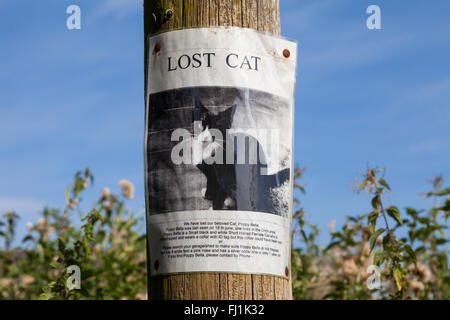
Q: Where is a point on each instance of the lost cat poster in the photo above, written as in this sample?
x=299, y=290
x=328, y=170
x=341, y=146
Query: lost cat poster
x=218, y=151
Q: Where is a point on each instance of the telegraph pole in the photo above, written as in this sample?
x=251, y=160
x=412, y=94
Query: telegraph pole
x=262, y=15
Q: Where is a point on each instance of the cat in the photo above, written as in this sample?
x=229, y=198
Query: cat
x=235, y=186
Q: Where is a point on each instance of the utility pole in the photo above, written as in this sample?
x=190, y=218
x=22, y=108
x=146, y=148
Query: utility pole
x=262, y=15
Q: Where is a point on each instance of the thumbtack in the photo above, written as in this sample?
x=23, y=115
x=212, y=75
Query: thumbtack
x=286, y=53
x=157, y=48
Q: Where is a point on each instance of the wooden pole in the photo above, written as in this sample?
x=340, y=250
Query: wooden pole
x=263, y=15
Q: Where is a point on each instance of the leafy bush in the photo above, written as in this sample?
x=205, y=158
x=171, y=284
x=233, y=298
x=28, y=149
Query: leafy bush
x=110, y=248
x=410, y=267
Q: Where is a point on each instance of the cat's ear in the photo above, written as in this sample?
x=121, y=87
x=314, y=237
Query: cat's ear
x=228, y=114
x=233, y=110
x=199, y=110
x=203, y=109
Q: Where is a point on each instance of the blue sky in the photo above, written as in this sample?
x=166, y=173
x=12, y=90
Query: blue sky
x=74, y=99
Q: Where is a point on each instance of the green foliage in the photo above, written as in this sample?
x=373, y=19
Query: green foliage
x=413, y=267
x=109, y=247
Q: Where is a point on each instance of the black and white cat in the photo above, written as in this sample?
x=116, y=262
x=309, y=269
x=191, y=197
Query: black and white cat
x=236, y=185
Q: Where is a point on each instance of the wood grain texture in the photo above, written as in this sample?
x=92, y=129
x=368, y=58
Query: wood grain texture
x=263, y=15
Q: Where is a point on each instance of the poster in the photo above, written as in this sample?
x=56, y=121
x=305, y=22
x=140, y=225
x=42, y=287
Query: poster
x=218, y=151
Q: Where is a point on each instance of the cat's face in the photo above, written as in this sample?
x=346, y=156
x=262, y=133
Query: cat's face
x=217, y=120
x=210, y=129
x=205, y=145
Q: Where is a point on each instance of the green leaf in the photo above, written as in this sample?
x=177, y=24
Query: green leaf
x=337, y=235
x=46, y=296
x=372, y=218
x=47, y=292
x=411, y=253
x=304, y=236
x=55, y=264
x=373, y=238
x=362, y=185
x=398, y=276
x=331, y=245
x=376, y=202
x=394, y=213
x=412, y=212
x=379, y=257
x=66, y=195
x=61, y=244
x=384, y=183
x=446, y=206
x=300, y=187
x=443, y=192
x=27, y=238
x=41, y=252
x=424, y=220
